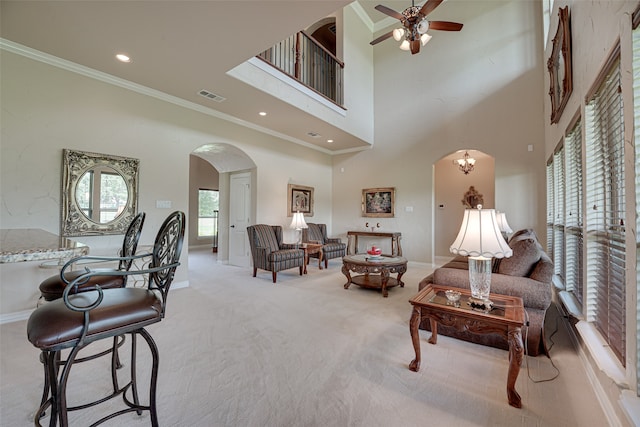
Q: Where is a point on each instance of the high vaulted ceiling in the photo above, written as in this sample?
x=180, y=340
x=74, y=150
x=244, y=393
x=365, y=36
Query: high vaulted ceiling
x=180, y=47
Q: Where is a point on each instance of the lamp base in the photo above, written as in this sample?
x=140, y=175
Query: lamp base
x=480, y=276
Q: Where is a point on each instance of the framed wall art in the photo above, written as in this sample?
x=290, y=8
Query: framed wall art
x=379, y=202
x=559, y=66
x=299, y=199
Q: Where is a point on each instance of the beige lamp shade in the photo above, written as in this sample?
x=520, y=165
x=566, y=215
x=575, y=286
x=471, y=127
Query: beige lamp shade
x=502, y=222
x=298, y=221
x=480, y=235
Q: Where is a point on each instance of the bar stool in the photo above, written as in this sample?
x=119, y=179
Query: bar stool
x=81, y=318
x=52, y=288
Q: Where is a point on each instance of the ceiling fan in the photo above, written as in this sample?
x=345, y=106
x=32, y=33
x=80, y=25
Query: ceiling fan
x=415, y=23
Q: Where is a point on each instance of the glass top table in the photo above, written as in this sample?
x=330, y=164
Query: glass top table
x=506, y=318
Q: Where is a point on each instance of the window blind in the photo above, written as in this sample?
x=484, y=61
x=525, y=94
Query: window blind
x=558, y=212
x=636, y=109
x=550, y=204
x=605, y=219
x=573, y=212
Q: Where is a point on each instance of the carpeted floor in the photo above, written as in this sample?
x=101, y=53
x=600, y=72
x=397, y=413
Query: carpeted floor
x=240, y=351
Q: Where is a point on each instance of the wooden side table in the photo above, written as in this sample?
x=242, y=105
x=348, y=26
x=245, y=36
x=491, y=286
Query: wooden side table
x=395, y=236
x=311, y=248
x=506, y=318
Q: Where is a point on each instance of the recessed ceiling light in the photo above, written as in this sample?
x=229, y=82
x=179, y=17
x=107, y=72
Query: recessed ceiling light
x=123, y=58
x=262, y=113
x=329, y=141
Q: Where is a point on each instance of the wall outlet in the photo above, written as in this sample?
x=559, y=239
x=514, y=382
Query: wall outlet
x=408, y=209
x=163, y=204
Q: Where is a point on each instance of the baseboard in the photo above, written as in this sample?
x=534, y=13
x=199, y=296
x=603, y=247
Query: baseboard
x=180, y=285
x=15, y=317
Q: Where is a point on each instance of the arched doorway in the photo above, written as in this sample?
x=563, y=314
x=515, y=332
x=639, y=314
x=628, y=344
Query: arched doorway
x=233, y=166
x=450, y=185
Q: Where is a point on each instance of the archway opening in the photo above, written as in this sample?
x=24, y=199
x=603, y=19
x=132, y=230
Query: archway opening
x=452, y=188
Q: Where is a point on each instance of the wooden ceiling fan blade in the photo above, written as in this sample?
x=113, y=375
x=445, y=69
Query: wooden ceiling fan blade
x=445, y=26
x=415, y=46
x=390, y=12
x=428, y=7
x=381, y=38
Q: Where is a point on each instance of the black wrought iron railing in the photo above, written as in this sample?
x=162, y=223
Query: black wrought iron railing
x=303, y=58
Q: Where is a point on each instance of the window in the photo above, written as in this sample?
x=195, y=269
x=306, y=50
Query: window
x=207, y=213
x=558, y=212
x=605, y=216
x=105, y=188
x=636, y=108
x=550, y=203
x=573, y=212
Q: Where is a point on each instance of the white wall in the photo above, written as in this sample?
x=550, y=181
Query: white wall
x=46, y=109
x=596, y=28
x=478, y=88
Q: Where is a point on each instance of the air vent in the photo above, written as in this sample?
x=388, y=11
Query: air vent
x=313, y=134
x=211, y=95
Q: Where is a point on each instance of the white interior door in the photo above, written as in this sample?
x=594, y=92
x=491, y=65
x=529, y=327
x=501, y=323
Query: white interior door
x=239, y=217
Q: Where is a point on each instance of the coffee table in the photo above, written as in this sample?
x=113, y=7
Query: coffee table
x=311, y=248
x=506, y=318
x=376, y=271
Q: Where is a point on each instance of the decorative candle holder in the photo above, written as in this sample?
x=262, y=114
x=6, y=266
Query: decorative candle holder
x=372, y=227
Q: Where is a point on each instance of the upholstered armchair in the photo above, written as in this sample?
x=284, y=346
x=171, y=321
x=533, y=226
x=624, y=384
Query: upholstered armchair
x=270, y=253
x=331, y=247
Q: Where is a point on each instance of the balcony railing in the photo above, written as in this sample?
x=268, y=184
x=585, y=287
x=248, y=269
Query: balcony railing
x=303, y=58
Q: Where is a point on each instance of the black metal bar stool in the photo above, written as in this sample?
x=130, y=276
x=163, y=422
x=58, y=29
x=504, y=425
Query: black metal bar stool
x=53, y=287
x=81, y=318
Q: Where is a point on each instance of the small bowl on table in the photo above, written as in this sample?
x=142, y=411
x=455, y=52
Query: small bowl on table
x=453, y=297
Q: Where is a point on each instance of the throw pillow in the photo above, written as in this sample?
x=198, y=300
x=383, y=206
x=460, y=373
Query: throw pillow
x=526, y=233
x=526, y=254
x=543, y=272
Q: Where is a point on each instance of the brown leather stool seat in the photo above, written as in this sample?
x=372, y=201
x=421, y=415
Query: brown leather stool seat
x=121, y=310
x=52, y=288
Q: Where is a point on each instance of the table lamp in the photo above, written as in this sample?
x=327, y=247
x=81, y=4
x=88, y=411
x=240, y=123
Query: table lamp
x=503, y=224
x=480, y=239
x=298, y=223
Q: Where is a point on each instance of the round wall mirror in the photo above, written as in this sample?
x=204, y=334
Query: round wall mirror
x=99, y=193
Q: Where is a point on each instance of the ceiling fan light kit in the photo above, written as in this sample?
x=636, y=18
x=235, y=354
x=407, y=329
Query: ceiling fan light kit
x=398, y=34
x=415, y=25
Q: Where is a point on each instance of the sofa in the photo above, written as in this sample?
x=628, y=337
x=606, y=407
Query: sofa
x=526, y=274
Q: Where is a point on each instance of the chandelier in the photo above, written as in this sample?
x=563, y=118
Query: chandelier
x=466, y=163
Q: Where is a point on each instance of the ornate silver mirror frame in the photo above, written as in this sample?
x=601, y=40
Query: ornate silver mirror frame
x=74, y=220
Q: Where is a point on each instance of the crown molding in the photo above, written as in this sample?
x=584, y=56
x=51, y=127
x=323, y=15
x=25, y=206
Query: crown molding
x=36, y=55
